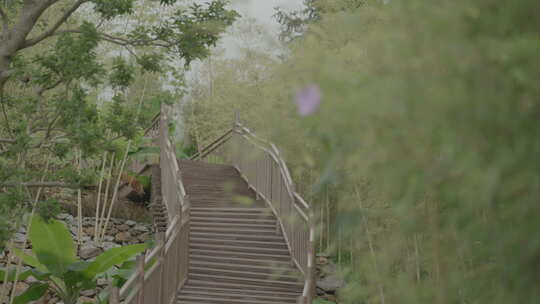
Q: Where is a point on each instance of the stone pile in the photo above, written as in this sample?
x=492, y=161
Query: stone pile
x=119, y=233
x=329, y=281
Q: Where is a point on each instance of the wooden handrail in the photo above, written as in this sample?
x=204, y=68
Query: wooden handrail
x=160, y=283
x=212, y=146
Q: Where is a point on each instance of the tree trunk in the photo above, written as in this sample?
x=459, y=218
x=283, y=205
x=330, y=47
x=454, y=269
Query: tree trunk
x=16, y=36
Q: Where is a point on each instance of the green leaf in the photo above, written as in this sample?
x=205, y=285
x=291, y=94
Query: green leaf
x=113, y=257
x=52, y=244
x=11, y=275
x=33, y=293
x=28, y=259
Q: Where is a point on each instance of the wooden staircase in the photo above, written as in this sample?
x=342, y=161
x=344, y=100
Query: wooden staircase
x=237, y=253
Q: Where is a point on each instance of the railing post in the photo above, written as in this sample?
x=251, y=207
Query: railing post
x=160, y=237
x=140, y=272
x=114, y=297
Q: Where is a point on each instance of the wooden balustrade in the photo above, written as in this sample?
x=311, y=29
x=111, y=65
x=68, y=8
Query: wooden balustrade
x=161, y=272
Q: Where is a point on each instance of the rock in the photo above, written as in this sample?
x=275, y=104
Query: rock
x=329, y=269
x=122, y=227
x=108, y=245
x=321, y=260
x=83, y=300
x=63, y=216
x=141, y=228
x=73, y=230
x=123, y=237
x=331, y=283
x=144, y=237
x=18, y=237
x=89, y=251
x=131, y=223
x=89, y=292
x=108, y=238
x=89, y=230
x=102, y=282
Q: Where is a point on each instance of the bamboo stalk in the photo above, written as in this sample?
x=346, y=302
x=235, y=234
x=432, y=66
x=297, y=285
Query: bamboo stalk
x=79, y=202
x=124, y=159
x=322, y=228
x=105, y=198
x=339, y=247
x=352, y=251
x=99, y=192
x=417, y=258
x=371, y=247
x=327, y=220
x=115, y=193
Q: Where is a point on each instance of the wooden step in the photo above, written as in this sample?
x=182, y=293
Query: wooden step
x=224, y=298
x=234, y=215
x=220, y=230
x=236, y=254
x=220, y=241
x=247, y=281
x=242, y=226
x=243, y=274
x=209, y=284
x=232, y=248
x=276, y=270
x=227, y=295
x=197, y=286
x=197, y=257
x=240, y=237
x=241, y=220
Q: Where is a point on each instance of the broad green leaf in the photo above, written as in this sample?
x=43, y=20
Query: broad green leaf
x=113, y=257
x=28, y=259
x=52, y=244
x=11, y=275
x=33, y=293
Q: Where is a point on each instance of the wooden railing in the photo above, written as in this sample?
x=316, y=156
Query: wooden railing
x=162, y=272
x=261, y=165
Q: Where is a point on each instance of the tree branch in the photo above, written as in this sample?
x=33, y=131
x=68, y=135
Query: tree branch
x=56, y=26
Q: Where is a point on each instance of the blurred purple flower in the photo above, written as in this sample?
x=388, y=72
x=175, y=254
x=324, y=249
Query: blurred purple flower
x=308, y=100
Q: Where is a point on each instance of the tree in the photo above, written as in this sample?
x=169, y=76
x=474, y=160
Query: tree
x=54, y=67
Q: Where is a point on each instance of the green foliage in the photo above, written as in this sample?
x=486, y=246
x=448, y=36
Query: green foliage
x=426, y=138
x=73, y=58
x=109, y=9
x=55, y=262
x=151, y=62
x=34, y=292
x=51, y=100
x=122, y=73
x=192, y=32
x=48, y=209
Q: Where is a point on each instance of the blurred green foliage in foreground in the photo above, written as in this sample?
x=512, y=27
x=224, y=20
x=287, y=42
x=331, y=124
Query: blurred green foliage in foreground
x=426, y=142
